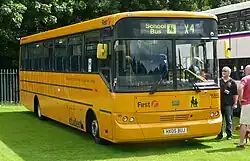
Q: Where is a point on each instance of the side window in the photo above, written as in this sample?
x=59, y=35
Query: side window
x=22, y=56
x=39, y=54
x=234, y=26
x=60, y=53
x=90, y=59
x=75, y=52
x=222, y=22
x=242, y=26
x=49, y=62
x=247, y=25
x=31, y=57
x=35, y=56
x=27, y=60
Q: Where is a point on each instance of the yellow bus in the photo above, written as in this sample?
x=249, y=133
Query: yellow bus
x=127, y=77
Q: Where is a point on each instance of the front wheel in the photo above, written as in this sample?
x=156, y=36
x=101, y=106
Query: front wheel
x=95, y=132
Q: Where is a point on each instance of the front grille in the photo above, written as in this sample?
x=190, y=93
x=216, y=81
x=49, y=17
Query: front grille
x=169, y=118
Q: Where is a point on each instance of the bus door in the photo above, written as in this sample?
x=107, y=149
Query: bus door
x=104, y=65
x=104, y=69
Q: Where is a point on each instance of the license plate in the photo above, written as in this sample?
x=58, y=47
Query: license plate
x=175, y=131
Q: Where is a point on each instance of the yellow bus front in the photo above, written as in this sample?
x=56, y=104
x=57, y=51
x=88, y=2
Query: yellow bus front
x=166, y=116
x=165, y=79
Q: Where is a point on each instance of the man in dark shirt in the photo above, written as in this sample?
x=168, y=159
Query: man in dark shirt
x=229, y=100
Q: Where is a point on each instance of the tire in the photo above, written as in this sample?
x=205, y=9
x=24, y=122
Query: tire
x=94, y=130
x=38, y=111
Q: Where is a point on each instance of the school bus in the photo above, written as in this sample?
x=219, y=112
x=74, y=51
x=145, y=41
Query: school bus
x=127, y=77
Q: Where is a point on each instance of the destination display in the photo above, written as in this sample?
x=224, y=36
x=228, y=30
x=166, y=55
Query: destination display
x=166, y=27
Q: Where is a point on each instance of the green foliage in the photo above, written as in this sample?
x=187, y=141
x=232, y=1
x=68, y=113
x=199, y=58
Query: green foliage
x=187, y=5
x=19, y=18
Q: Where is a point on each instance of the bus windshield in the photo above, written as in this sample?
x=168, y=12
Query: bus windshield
x=141, y=64
x=195, y=63
x=165, y=53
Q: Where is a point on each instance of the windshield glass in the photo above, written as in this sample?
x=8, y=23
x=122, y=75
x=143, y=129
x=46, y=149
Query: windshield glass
x=195, y=63
x=141, y=63
x=146, y=65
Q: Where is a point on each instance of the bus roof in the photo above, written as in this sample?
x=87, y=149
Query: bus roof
x=106, y=21
x=229, y=8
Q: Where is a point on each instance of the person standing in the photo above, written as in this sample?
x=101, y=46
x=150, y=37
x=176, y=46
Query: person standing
x=244, y=100
x=229, y=98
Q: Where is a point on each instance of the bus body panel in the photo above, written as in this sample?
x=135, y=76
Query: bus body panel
x=27, y=99
x=166, y=101
x=66, y=97
x=109, y=107
x=152, y=118
x=154, y=132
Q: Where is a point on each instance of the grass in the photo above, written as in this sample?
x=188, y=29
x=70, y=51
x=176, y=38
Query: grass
x=25, y=138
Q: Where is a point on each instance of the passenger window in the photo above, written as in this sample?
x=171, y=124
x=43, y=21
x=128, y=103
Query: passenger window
x=75, y=52
x=90, y=59
x=247, y=25
x=49, y=64
x=242, y=26
x=233, y=26
x=39, y=55
x=60, y=53
x=32, y=56
x=23, y=57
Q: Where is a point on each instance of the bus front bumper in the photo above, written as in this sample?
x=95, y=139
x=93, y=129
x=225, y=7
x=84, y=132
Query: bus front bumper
x=155, y=131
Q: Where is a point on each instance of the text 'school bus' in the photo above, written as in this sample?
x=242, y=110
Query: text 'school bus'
x=127, y=77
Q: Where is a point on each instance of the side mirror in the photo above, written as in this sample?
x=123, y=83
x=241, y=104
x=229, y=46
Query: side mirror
x=227, y=49
x=102, y=51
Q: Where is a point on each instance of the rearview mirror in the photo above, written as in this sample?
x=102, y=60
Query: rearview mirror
x=102, y=51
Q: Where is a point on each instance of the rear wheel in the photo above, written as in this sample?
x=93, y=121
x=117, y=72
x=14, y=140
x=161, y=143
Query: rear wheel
x=38, y=110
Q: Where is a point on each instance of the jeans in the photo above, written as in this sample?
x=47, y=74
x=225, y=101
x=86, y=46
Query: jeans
x=227, y=114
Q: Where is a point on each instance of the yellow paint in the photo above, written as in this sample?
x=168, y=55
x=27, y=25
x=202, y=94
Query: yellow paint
x=227, y=52
x=169, y=110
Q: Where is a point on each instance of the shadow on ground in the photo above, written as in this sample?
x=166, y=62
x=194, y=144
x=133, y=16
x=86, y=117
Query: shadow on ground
x=33, y=139
x=224, y=150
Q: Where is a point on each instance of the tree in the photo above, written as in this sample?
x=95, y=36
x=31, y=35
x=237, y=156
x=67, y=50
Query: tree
x=24, y=17
x=10, y=22
x=183, y=5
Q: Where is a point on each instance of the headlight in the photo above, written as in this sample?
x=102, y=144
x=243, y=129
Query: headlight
x=125, y=118
x=131, y=119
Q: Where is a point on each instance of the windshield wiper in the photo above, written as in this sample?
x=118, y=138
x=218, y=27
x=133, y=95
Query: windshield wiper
x=154, y=88
x=196, y=87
